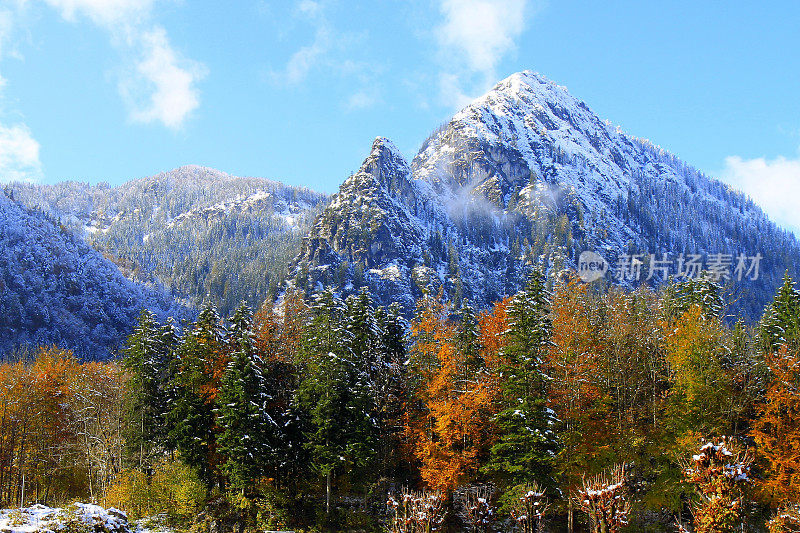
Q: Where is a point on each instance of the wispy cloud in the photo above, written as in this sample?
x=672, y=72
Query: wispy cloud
x=330, y=53
x=19, y=154
x=106, y=13
x=307, y=57
x=773, y=184
x=19, y=150
x=160, y=85
x=363, y=99
x=162, y=88
x=474, y=36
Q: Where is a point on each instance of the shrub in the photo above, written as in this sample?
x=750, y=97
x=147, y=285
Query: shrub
x=174, y=489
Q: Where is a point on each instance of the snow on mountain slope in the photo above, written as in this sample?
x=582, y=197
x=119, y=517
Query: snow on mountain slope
x=525, y=174
x=209, y=237
x=55, y=289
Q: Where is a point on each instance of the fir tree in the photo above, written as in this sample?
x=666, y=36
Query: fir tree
x=467, y=341
x=389, y=385
x=780, y=324
x=241, y=413
x=147, y=356
x=527, y=445
x=335, y=396
x=702, y=291
x=200, y=361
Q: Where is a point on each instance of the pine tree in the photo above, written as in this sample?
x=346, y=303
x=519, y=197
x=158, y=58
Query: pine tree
x=527, y=444
x=241, y=410
x=147, y=357
x=362, y=329
x=335, y=396
x=780, y=324
x=702, y=291
x=200, y=362
x=467, y=338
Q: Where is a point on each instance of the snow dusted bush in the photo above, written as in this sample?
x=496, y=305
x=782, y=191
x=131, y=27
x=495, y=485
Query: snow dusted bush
x=76, y=518
x=787, y=520
x=603, y=498
x=416, y=512
x=719, y=473
x=529, y=510
x=479, y=511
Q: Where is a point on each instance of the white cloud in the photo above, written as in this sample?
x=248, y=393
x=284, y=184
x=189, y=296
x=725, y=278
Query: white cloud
x=481, y=31
x=773, y=184
x=6, y=24
x=106, y=13
x=19, y=154
x=170, y=94
x=362, y=99
x=302, y=61
x=473, y=38
x=451, y=92
x=329, y=52
x=160, y=86
x=306, y=58
x=310, y=8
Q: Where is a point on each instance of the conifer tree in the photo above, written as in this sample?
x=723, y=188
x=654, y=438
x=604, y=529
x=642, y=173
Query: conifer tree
x=147, y=356
x=527, y=445
x=392, y=390
x=780, y=324
x=702, y=291
x=335, y=396
x=467, y=338
x=241, y=409
x=200, y=363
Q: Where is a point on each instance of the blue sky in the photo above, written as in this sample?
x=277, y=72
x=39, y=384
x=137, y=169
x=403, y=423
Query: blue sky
x=110, y=90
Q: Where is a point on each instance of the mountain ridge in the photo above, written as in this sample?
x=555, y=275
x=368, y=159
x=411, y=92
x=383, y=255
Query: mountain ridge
x=55, y=289
x=528, y=174
x=209, y=237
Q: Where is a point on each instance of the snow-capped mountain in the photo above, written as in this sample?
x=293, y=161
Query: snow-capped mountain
x=207, y=236
x=55, y=289
x=528, y=173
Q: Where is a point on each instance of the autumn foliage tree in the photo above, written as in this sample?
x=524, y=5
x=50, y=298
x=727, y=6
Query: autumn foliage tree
x=573, y=363
x=60, y=427
x=777, y=428
x=719, y=472
x=447, y=428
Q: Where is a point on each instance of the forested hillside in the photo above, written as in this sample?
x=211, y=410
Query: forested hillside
x=525, y=174
x=208, y=237
x=56, y=289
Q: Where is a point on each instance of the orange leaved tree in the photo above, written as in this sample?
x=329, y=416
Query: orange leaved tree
x=777, y=428
x=448, y=427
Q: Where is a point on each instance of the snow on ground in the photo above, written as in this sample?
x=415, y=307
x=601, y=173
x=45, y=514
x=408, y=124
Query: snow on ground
x=40, y=518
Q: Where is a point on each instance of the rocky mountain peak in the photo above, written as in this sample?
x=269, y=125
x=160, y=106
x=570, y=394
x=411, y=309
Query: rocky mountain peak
x=525, y=174
x=385, y=172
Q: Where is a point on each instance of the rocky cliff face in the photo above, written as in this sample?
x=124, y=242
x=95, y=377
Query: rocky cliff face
x=526, y=174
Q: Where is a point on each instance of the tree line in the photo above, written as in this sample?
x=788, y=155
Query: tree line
x=564, y=407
